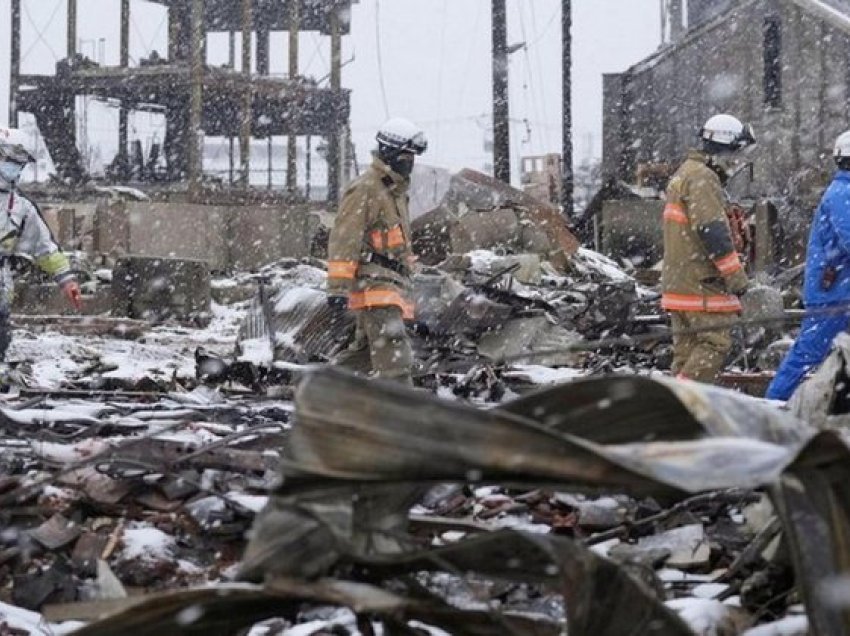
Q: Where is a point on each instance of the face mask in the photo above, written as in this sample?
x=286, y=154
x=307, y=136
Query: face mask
x=727, y=166
x=402, y=164
x=10, y=172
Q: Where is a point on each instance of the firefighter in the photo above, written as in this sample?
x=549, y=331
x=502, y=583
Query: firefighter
x=23, y=232
x=703, y=277
x=827, y=280
x=370, y=257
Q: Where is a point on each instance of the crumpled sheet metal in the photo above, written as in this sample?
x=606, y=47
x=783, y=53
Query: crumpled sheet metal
x=352, y=429
x=371, y=436
x=305, y=329
x=813, y=501
x=822, y=395
x=636, y=409
x=355, y=438
x=221, y=610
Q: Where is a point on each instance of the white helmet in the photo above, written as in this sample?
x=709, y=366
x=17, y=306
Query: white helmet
x=727, y=130
x=402, y=135
x=14, y=146
x=842, y=146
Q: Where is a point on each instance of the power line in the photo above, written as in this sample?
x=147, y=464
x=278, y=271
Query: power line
x=380, y=59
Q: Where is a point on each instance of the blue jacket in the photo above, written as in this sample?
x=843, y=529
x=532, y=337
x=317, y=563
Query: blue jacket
x=829, y=245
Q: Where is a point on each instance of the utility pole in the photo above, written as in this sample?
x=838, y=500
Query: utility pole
x=501, y=112
x=567, y=184
x=15, y=64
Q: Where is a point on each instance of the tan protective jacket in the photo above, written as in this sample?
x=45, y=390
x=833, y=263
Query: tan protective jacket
x=369, y=252
x=702, y=271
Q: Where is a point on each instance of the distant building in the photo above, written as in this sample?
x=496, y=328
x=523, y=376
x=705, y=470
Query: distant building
x=541, y=177
x=782, y=65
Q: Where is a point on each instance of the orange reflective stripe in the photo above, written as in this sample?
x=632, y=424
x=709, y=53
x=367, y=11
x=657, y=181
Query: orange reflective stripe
x=688, y=302
x=675, y=213
x=377, y=239
x=729, y=264
x=395, y=237
x=342, y=269
x=380, y=298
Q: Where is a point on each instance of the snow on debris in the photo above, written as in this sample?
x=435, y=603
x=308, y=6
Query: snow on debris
x=16, y=618
x=588, y=261
x=147, y=544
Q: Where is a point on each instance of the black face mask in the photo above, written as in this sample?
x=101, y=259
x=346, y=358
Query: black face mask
x=399, y=162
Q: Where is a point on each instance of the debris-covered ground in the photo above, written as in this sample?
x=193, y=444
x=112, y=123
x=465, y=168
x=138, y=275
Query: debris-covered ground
x=518, y=489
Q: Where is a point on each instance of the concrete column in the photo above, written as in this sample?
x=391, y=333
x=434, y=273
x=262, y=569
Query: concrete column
x=173, y=34
x=72, y=28
x=196, y=99
x=15, y=63
x=336, y=86
x=246, y=115
x=263, y=47
x=292, y=145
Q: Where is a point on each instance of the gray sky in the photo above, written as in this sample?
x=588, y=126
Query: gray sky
x=435, y=57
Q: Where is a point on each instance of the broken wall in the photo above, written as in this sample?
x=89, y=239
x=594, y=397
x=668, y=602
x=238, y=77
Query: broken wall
x=227, y=237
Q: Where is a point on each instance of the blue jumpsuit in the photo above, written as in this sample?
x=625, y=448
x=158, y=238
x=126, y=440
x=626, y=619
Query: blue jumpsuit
x=829, y=247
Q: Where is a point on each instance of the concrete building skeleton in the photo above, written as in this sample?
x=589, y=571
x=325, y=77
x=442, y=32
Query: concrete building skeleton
x=236, y=104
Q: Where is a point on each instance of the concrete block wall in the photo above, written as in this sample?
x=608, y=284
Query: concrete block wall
x=228, y=238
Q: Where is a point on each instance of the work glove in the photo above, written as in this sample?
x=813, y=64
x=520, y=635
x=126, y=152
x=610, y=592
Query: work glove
x=71, y=290
x=738, y=284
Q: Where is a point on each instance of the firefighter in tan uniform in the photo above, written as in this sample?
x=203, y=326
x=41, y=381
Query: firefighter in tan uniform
x=703, y=278
x=370, y=257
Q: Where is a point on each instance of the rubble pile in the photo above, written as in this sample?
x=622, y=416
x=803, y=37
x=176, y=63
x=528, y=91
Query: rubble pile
x=215, y=476
x=650, y=501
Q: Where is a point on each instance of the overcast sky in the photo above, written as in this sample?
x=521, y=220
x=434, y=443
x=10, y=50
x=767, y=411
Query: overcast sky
x=435, y=57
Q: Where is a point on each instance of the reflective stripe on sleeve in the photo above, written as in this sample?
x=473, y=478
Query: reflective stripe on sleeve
x=675, y=213
x=342, y=269
x=729, y=264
